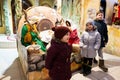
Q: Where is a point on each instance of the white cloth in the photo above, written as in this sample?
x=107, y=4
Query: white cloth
x=46, y=35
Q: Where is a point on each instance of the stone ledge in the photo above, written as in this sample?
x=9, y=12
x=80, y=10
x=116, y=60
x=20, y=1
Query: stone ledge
x=7, y=41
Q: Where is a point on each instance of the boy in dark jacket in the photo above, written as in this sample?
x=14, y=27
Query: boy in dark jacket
x=102, y=29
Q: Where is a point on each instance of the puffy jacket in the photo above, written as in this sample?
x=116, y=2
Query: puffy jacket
x=89, y=43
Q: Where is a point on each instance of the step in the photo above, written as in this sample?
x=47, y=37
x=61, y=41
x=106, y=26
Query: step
x=7, y=41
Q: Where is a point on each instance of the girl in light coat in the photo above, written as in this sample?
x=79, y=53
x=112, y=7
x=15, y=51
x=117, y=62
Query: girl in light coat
x=89, y=43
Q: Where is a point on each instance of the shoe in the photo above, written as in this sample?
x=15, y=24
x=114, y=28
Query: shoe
x=81, y=71
x=86, y=73
x=102, y=66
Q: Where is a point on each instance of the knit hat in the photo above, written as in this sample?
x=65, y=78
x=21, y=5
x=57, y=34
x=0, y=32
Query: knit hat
x=92, y=23
x=60, y=31
x=89, y=21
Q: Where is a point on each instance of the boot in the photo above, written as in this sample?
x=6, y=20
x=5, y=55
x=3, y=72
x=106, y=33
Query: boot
x=87, y=70
x=84, y=69
x=82, y=65
x=81, y=69
x=102, y=66
x=95, y=61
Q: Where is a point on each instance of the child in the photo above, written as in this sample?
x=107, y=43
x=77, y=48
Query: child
x=102, y=29
x=74, y=40
x=58, y=55
x=89, y=43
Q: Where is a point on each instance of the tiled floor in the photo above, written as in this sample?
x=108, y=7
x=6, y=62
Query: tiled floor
x=15, y=71
x=113, y=64
x=10, y=68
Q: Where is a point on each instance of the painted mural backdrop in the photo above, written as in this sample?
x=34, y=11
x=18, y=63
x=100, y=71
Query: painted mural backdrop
x=71, y=10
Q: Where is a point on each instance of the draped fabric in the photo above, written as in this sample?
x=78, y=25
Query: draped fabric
x=28, y=37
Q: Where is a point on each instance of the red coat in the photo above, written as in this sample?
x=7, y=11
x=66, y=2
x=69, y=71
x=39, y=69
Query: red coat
x=74, y=39
x=58, y=60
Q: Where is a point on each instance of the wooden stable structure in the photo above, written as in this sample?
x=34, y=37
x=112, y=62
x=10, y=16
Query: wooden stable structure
x=47, y=19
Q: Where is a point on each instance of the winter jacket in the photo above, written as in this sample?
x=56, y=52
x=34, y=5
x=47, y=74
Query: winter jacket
x=102, y=29
x=89, y=43
x=58, y=60
x=74, y=39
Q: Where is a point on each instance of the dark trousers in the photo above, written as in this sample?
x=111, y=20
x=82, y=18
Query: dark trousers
x=87, y=65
